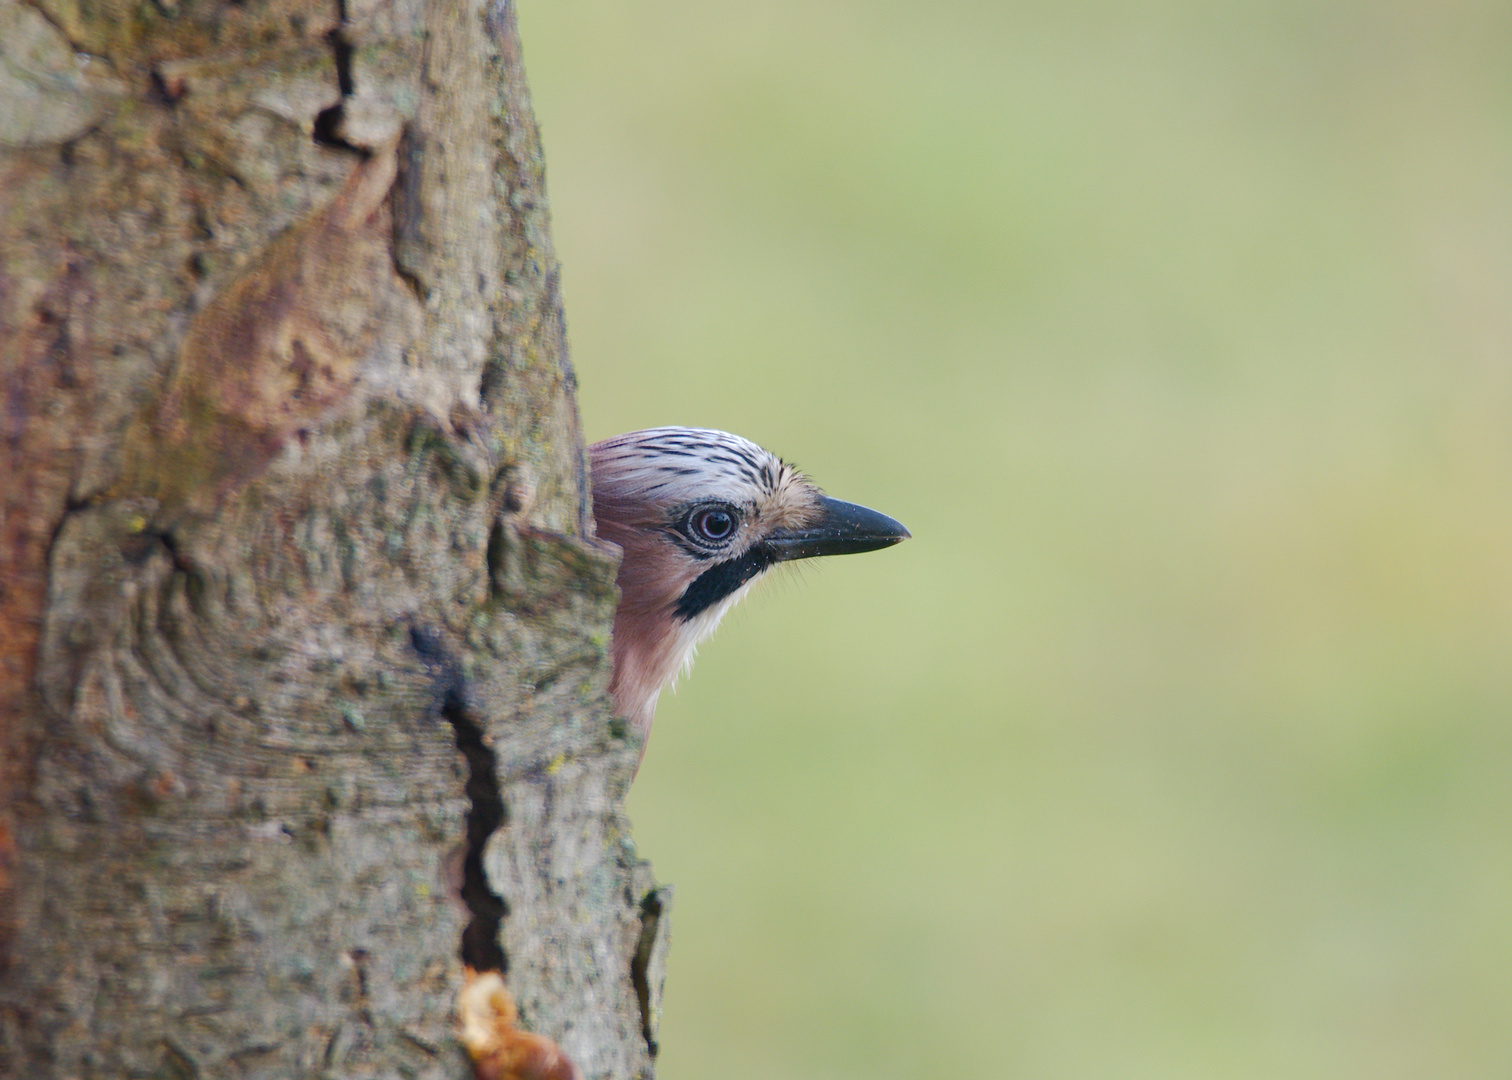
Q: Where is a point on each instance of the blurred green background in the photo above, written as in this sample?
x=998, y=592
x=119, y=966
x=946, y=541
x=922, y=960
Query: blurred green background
x=1176, y=743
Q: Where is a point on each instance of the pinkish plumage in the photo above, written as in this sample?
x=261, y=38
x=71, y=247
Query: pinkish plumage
x=701, y=515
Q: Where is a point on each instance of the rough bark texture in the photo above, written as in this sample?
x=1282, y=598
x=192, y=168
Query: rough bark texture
x=303, y=631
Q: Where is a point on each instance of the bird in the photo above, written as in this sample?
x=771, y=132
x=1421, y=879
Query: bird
x=700, y=516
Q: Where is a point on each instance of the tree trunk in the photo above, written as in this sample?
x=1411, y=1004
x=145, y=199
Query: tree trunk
x=303, y=631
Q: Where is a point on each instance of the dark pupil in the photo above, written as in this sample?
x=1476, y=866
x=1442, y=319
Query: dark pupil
x=715, y=524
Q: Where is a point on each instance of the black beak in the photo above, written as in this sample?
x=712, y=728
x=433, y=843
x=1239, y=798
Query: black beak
x=842, y=529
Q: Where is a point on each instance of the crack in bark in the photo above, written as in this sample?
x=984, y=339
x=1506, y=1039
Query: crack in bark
x=480, y=947
x=652, y=908
x=327, y=125
x=408, y=208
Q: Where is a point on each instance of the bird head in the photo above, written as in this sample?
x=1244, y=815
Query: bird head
x=701, y=516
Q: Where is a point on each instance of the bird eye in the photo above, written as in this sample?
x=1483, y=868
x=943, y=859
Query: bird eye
x=716, y=525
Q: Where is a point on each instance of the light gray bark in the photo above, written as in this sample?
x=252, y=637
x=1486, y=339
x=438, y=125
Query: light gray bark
x=303, y=631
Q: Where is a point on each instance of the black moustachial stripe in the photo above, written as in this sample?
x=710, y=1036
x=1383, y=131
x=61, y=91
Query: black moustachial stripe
x=720, y=580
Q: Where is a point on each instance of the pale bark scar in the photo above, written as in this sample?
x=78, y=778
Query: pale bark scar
x=277, y=350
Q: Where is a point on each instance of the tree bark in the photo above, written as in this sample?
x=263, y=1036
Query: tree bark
x=303, y=628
